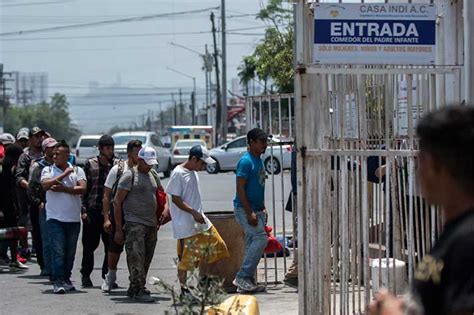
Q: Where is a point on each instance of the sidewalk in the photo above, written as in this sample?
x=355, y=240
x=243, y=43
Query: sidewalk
x=27, y=293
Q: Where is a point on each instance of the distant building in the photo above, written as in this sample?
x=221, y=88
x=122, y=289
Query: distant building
x=28, y=88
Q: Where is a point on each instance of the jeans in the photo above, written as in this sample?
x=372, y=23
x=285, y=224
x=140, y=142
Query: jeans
x=47, y=259
x=63, y=240
x=255, y=242
x=92, y=232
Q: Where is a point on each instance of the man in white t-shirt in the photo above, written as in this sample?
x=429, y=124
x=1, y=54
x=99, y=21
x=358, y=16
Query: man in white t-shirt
x=63, y=185
x=110, y=188
x=191, y=227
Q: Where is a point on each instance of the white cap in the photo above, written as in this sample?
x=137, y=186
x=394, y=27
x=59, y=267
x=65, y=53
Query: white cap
x=7, y=138
x=148, y=154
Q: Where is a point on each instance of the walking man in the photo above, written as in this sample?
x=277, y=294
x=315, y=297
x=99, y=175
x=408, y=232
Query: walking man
x=63, y=185
x=136, y=197
x=444, y=279
x=96, y=169
x=32, y=153
x=110, y=189
x=38, y=199
x=249, y=208
x=191, y=227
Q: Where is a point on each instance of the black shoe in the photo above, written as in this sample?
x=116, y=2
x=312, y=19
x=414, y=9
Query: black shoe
x=291, y=281
x=86, y=282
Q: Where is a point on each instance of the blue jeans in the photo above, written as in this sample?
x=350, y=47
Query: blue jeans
x=63, y=241
x=255, y=242
x=47, y=260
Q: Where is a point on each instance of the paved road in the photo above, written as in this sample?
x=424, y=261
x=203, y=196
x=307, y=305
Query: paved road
x=26, y=293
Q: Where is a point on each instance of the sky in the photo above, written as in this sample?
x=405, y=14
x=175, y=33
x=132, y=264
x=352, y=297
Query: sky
x=132, y=54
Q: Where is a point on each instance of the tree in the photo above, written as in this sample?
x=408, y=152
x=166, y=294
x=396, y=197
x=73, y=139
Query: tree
x=247, y=72
x=52, y=117
x=273, y=56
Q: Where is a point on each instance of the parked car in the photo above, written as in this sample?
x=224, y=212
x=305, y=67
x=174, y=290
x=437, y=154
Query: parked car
x=148, y=139
x=182, y=147
x=86, y=147
x=228, y=155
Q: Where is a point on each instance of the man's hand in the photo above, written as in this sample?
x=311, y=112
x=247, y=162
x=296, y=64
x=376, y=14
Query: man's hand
x=252, y=219
x=118, y=238
x=84, y=216
x=108, y=226
x=68, y=171
x=57, y=188
x=198, y=217
x=386, y=304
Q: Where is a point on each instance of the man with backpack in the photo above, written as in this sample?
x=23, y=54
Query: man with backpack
x=136, y=195
x=38, y=199
x=110, y=189
x=96, y=169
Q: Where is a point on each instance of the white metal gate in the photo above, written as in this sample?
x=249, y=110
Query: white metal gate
x=353, y=123
x=274, y=114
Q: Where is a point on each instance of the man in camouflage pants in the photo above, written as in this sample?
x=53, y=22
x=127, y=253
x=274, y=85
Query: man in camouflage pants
x=136, y=194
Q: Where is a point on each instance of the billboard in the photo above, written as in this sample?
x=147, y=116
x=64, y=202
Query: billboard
x=366, y=33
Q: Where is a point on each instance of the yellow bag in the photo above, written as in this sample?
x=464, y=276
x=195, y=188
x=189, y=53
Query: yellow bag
x=236, y=305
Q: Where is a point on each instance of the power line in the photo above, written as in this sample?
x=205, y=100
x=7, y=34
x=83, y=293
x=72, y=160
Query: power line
x=107, y=22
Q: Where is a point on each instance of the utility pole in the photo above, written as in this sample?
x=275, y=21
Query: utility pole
x=468, y=51
x=224, y=74
x=218, y=86
x=180, y=107
x=161, y=119
x=175, y=111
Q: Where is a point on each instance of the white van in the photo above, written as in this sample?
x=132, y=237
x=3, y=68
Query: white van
x=87, y=147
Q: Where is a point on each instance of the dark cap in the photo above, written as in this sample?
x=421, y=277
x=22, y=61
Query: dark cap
x=36, y=130
x=106, y=140
x=201, y=153
x=255, y=134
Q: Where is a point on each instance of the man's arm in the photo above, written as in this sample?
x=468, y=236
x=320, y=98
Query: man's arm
x=251, y=216
x=79, y=189
x=22, y=170
x=106, y=209
x=178, y=201
x=87, y=172
x=118, y=201
x=47, y=183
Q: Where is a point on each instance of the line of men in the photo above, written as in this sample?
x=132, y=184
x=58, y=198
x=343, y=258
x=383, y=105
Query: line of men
x=117, y=201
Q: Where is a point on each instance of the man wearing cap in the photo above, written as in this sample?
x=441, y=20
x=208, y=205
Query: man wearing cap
x=249, y=209
x=191, y=227
x=38, y=199
x=136, y=199
x=32, y=153
x=6, y=139
x=22, y=137
x=96, y=169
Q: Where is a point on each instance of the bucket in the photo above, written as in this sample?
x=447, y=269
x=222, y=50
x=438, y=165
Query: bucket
x=233, y=235
x=380, y=278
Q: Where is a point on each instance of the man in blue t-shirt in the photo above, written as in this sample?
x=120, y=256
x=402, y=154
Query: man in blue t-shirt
x=250, y=210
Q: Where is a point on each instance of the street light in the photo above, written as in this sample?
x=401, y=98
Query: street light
x=193, y=97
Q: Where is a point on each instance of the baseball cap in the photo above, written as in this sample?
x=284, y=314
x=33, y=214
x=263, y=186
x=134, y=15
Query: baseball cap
x=7, y=138
x=23, y=134
x=256, y=133
x=36, y=130
x=202, y=153
x=48, y=143
x=148, y=154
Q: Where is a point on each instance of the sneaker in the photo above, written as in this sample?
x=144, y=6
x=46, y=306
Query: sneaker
x=106, y=285
x=68, y=286
x=143, y=297
x=86, y=282
x=21, y=259
x=59, y=288
x=244, y=285
x=16, y=265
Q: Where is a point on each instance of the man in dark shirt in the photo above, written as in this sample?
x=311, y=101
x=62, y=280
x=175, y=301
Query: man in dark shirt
x=444, y=279
x=96, y=170
x=32, y=153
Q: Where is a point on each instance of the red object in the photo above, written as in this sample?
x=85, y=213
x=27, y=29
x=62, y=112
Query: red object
x=2, y=151
x=273, y=246
x=21, y=259
x=13, y=233
x=162, y=215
